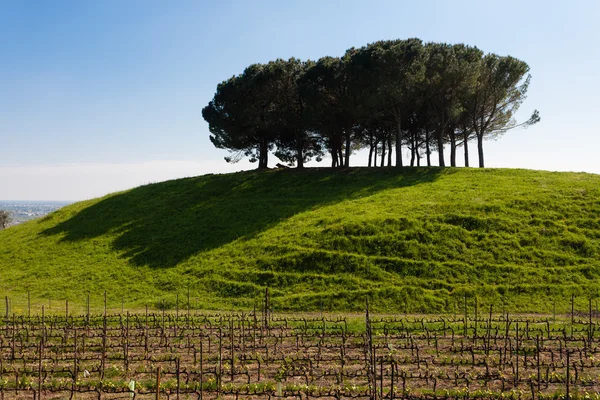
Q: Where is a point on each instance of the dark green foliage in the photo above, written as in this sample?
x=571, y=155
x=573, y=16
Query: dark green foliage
x=388, y=93
x=5, y=218
x=333, y=106
x=241, y=116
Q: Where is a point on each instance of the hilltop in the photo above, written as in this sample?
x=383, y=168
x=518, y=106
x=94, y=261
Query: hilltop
x=413, y=239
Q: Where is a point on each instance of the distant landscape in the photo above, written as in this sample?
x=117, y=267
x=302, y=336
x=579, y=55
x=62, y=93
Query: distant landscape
x=25, y=210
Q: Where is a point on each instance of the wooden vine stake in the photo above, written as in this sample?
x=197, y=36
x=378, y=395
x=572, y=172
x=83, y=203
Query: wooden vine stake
x=39, y=396
x=158, y=383
x=201, y=369
x=75, y=372
x=568, y=377
x=371, y=366
x=178, y=366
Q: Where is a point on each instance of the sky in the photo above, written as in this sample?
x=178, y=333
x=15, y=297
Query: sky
x=102, y=96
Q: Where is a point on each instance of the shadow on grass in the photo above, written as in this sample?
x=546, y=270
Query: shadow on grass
x=163, y=224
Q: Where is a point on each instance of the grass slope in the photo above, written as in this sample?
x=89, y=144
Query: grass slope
x=414, y=239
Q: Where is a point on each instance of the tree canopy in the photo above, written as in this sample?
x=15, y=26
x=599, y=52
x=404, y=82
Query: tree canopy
x=382, y=96
x=5, y=218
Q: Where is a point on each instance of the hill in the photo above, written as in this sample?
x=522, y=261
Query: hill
x=413, y=239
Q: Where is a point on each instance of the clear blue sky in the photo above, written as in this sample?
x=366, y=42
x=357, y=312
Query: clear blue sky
x=99, y=96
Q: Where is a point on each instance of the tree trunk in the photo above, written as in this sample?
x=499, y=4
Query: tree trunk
x=370, y=153
x=418, y=158
x=452, y=148
x=300, y=155
x=413, y=148
x=466, y=146
x=398, y=141
x=334, y=155
x=348, y=143
x=375, y=153
x=440, y=132
x=480, y=150
x=266, y=159
x=440, y=145
x=382, y=163
x=340, y=157
x=427, y=147
x=263, y=154
x=389, y=151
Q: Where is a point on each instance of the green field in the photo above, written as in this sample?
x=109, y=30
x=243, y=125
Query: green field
x=412, y=239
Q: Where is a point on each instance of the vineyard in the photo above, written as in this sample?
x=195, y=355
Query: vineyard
x=189, y=355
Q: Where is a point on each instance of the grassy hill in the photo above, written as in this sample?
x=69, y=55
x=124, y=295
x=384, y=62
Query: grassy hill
x=413, y=239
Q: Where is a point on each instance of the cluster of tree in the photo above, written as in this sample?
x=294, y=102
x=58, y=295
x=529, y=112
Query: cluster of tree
x=386, y=96
x=5, y=218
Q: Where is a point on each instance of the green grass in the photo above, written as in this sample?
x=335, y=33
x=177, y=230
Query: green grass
x=412, y=239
